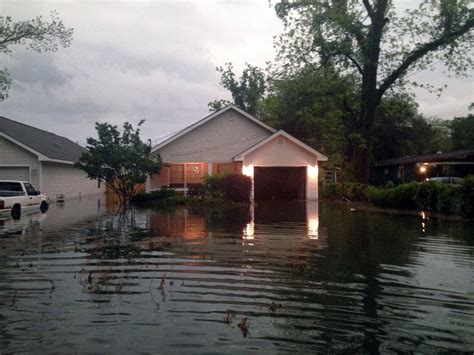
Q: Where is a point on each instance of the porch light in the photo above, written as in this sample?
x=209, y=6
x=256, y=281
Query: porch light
x=422, y=169
x=312, y=171
x=247, y=170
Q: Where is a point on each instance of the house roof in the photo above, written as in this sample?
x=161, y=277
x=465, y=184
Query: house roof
x=46, y=145
x=320, y=157
x=207, y=119
x=457, y=155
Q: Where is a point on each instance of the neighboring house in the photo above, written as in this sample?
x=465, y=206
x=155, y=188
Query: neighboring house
x=458, y=163
x=44, y=159
x=232, y=141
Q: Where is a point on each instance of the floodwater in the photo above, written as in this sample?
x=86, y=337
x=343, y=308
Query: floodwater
x=279, y=278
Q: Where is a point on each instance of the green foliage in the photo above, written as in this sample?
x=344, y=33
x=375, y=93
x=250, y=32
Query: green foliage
x=463, y=132
x=121, y=160
x=37, y=34
x=315, y=107
x=232, y=187
x=247, y=92
x=400, y=130
x=378, y=46
x=165, y=197
x=467, y=193
x=428, y=196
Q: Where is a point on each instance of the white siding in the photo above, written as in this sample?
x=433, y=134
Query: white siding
x=218, y=140
x=15, y=156
x=289, y=154
x=67, y=180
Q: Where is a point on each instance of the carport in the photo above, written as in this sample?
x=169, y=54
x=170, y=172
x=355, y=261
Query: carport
x=282, y=168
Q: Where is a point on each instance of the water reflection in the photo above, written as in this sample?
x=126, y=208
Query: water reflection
x=307, y=277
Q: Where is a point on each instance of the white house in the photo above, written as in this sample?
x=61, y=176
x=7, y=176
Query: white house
x=44, y=159
x=231, y=140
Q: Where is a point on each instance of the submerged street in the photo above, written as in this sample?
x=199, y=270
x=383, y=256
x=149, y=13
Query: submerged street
x=282, y=277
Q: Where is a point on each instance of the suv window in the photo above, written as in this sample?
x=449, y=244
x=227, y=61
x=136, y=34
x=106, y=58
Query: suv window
x=30, y=190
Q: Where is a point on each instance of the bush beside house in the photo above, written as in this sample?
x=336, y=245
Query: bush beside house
x=431, y=196
x=217, y=190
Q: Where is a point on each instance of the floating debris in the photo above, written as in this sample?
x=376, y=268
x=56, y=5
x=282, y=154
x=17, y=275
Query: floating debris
x=274, y=307
x=244, y=326
x=230, y=315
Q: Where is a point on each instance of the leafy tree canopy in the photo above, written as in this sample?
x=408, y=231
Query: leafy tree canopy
x=247, y=92
x=122, y=160
x=36, y=34
x=462, y=132
x=371, y=40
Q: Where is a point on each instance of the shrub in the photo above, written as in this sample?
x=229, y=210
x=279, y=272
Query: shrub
x=467, y=197
x=233, y=187
x=163, y=196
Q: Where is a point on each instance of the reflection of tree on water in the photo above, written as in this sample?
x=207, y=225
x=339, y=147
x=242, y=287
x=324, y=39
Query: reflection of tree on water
x=357, y=248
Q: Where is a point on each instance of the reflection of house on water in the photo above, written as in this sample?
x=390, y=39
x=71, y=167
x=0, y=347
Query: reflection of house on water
x=297, y=218
x=178, y=223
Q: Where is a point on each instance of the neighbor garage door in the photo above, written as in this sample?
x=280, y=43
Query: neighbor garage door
x=14, y=173
x=280, y=183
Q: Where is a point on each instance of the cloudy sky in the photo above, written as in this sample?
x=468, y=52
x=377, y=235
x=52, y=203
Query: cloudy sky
x=154, y=60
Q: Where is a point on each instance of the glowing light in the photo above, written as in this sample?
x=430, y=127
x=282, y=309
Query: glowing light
x=249, y=231
x=313, y=172
x=313, y=226
x=422, y=169
x=248, y=170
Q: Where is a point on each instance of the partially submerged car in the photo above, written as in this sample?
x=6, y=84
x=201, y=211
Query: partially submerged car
x=447, y=180
x=16, y=196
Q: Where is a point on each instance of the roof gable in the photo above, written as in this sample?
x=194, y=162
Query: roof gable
x=318, y=155
x=207, y=119
x=46, y=145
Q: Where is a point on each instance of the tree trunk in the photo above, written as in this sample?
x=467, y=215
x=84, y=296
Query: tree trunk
x=369, y=97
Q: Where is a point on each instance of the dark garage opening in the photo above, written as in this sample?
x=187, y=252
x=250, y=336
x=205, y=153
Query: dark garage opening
x=280, y=183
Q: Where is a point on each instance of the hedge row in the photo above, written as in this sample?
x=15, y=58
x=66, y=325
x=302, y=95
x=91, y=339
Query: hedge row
x=430, y=195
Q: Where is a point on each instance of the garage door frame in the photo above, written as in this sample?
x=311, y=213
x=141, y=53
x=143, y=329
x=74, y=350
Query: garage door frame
x=18, y=166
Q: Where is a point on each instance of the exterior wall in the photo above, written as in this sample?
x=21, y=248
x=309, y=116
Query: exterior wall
x=289, y=154
x=67, y=180
x=161, y=179
x=13, y=155
x=218, y=140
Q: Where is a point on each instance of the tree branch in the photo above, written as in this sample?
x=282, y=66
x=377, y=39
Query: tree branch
x=369, y=8
x=420, y=52
x=354, y=61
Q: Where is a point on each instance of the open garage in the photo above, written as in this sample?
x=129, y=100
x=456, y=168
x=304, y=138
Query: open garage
x=280, y=183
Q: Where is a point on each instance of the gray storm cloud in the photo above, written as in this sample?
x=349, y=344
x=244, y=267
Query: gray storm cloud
x=152, y=60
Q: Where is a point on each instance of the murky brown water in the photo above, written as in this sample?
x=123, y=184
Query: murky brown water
x=80, y=279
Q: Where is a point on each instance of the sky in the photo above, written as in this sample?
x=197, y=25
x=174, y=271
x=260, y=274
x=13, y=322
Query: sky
x=154, y=60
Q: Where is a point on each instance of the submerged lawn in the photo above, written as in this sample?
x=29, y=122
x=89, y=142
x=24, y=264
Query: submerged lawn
x=305, y=278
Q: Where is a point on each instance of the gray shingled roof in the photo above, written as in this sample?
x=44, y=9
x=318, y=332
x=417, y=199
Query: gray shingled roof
x=460, y=155
x=49, y=144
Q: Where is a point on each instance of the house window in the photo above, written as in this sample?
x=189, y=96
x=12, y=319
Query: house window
x=177, y=175
x=193, y=174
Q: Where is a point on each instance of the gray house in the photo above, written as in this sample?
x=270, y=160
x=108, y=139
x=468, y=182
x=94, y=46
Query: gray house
x=233, y=141
x=44, y=159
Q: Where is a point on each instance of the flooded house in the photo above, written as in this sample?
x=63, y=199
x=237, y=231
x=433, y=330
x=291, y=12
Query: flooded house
x=44, y=159
x=232, y=141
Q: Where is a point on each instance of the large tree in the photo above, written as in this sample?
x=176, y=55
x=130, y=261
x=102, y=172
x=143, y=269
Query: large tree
x=36, y=34
x=379, y=44
x=121, y=160
x=247, y=92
